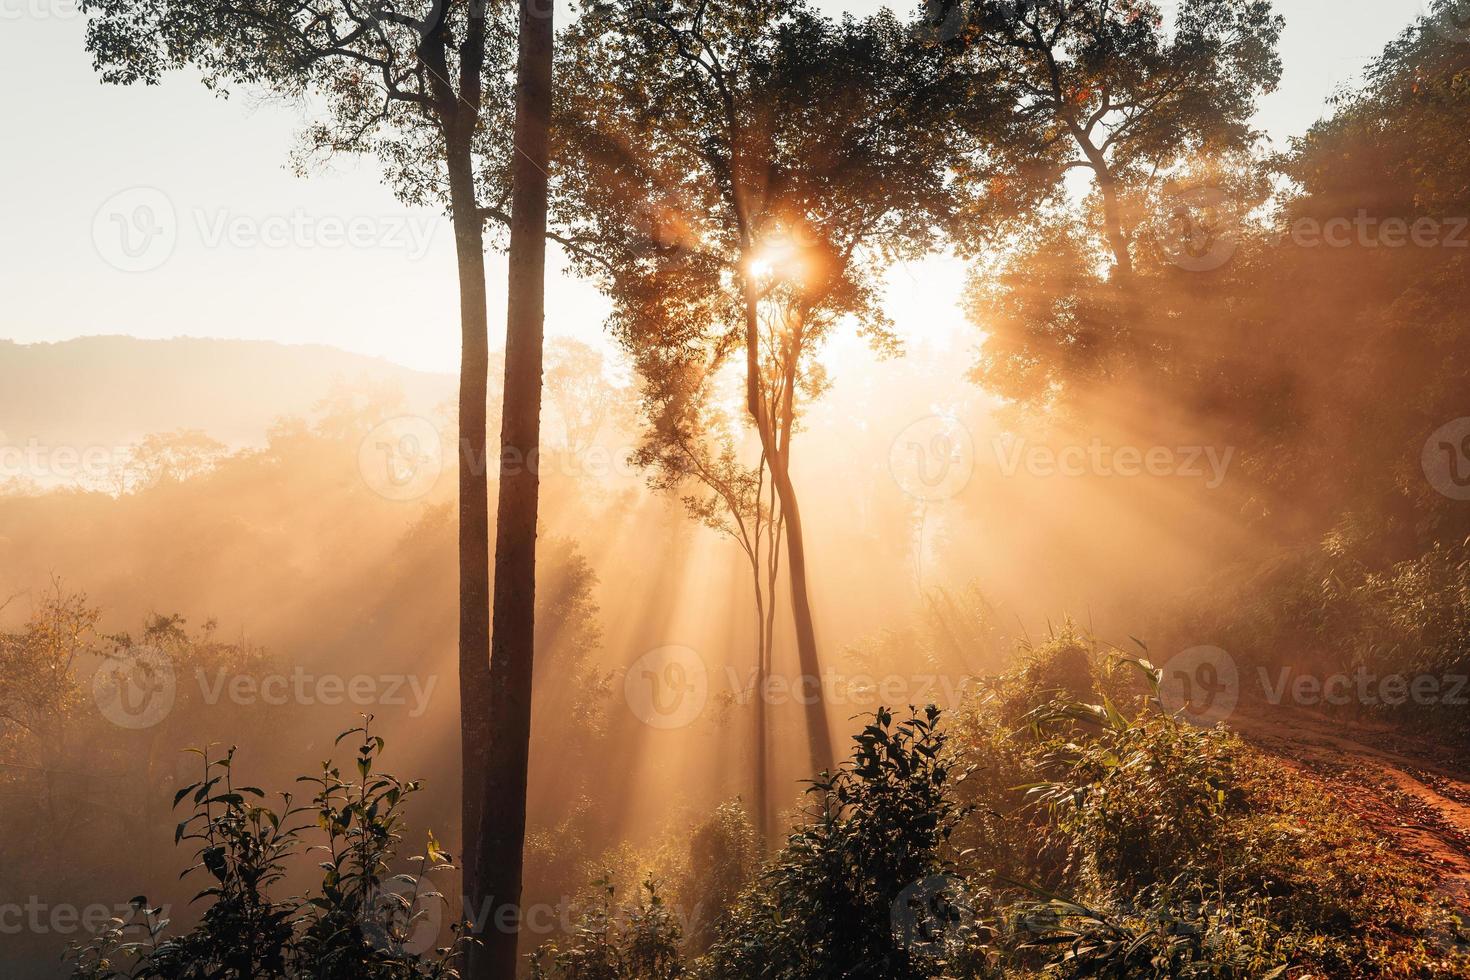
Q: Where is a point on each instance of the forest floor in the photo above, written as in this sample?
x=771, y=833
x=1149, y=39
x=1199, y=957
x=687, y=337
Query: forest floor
x=1414, y=792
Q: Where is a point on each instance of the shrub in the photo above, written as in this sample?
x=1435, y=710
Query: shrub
x=1135, y=845
x=858, y=890
x=724, y=854
x=364, y=921
x=636, y=942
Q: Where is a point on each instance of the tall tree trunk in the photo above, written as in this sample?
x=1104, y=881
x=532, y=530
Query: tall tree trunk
x=819, y=735
x=503, y=814
x=760, y=778
x=760, y=801
x=1117, y=237
x=474, y=520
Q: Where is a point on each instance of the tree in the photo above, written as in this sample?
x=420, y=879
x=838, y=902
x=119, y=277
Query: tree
x=866, y=887
x=424, y=87
x=169, y=458
x=740, y=174
x=576, y=386
x=1102, y=86
x=692, y=441
x=502, y=825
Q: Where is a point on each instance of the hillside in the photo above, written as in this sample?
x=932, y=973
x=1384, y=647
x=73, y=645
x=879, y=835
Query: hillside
x=113, y=390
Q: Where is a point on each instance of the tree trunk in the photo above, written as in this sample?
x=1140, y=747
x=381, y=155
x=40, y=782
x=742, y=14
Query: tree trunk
x=474, y=520
x=1117, y=238
x=1107, y=186
x=760, y=778
x=503, y=813
x=819, y=732
x=760, y=799
x=819, y=735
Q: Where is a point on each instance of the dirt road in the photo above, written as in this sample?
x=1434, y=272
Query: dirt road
x=1414, y=792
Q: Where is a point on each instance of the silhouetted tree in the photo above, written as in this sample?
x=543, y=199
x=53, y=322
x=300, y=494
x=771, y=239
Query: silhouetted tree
x=1105, y=86
x=739, y=176
x=424, y=87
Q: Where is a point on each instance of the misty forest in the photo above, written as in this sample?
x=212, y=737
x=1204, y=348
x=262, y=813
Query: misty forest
x=735, y=489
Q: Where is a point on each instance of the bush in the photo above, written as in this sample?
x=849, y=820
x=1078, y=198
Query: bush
x=724, y=854
x=1130, y=844
x=859, y=891
x=637, y=942
x=364, y=921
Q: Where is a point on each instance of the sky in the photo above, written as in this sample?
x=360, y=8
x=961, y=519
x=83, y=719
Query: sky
x=165, y=211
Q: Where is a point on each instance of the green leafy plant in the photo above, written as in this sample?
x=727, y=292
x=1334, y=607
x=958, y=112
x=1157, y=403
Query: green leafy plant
x=363, y=921
x=861, y=889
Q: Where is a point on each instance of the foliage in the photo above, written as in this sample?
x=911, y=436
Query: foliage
x=95, y=791
x=878, y=828
x=401, y=84
x=1133, y=844
x=1108, y=89
x=1346, y=617
x=724, y=857
x=364, y=920
x=638, y=942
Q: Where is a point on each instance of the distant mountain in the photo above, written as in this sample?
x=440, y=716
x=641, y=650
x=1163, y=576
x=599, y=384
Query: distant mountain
x=114, y=390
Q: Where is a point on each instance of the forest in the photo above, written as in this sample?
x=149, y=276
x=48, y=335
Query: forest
x=1006, y=515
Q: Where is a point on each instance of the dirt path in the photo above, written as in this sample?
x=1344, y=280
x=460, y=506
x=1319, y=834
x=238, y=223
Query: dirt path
x=1409, y=789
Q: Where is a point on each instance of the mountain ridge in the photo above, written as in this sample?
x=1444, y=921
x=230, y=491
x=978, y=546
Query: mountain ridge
x=113, y=389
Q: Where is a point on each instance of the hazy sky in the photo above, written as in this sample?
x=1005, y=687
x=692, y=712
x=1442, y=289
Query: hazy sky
x=238, y=246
